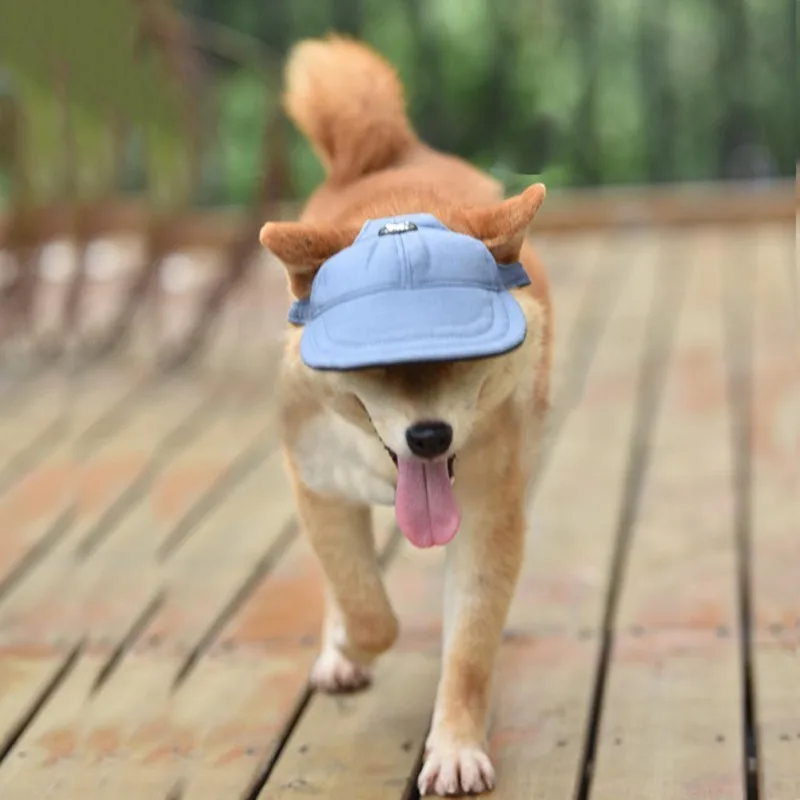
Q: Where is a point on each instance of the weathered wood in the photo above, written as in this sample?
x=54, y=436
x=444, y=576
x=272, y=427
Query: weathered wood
x=546, y=670
x=103, y=571
x=103, y=597
x=161, y=729
x=200, y=606
x=775, y=509
x=232, y=546
x=575, y=512
x=50, y=490
x=379, y=734
x=26, y=677
x=40, y=760
x=70, y=408
x=671, y=724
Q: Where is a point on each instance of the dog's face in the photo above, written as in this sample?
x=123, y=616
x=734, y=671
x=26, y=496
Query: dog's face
x=428, y=410
x=413, y=407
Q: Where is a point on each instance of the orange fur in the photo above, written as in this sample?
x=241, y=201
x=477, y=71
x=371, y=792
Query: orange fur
x=353, y=113
x=334, y=424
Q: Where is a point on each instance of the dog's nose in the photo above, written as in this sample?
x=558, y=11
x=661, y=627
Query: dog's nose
x=429, y=439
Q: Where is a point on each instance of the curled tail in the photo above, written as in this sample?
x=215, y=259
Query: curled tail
x=349, y=102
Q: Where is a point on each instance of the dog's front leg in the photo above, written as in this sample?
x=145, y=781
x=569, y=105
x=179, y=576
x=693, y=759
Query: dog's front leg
x=359, y=621
x=483, y=563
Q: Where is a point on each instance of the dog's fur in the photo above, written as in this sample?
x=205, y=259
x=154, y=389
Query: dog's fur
x=349, y=102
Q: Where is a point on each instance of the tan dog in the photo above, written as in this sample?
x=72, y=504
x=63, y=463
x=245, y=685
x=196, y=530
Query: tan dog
x=338, y=425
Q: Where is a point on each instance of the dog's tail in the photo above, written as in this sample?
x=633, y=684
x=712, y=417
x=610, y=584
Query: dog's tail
x=349, y=102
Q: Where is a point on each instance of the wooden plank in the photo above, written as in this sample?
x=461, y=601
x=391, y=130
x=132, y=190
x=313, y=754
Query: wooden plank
x=672, y=723
x=213, y=735
x=260, y=695
x=101, y=598
x=379, y=734
x=776, y=510
x=34, y=512
x=286, y=609
x=546, y=669
x=285, y=613
x=139, y=711
x=230, y=546
x=582, y=304
x=570, y=546
x=215, y=731
x=76, y=404
x=39, y=762
x=56, y=594
x=100, y=595
x=134, y=732
x=277, y=623
x=26, y=411
x=26, y=675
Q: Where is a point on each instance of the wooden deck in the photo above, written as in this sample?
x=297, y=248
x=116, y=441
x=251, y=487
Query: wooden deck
x=159, y=612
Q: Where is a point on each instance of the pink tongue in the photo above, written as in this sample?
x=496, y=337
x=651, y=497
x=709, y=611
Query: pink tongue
x=424, y=504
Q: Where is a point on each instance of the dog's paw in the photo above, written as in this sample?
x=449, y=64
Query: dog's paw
x=456, y=770
x=334, y=672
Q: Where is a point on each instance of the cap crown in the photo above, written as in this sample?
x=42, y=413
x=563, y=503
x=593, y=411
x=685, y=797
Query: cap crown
x=395, y=253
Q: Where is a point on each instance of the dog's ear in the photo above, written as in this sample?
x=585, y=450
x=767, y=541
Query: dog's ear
x=303, y=248
x=502, y=227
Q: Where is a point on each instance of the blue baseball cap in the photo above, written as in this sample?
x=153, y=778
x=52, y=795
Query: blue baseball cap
x=407, y=290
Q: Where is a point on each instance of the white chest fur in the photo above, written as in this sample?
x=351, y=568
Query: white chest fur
x=336, y=457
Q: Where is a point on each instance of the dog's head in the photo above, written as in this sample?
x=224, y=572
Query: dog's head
x=428, y=410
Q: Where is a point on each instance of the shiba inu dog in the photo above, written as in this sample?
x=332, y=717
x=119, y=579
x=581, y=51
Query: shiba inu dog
x=415, y=374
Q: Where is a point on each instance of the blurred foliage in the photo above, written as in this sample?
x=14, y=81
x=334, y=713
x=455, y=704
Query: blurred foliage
x=580, y=92
x=75, y=76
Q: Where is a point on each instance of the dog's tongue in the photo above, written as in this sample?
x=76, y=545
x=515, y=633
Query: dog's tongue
x=424, y=504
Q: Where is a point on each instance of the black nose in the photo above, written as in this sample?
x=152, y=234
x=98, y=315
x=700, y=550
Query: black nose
x=429, y=439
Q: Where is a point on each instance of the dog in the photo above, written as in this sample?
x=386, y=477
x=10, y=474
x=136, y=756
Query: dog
x=452, y=443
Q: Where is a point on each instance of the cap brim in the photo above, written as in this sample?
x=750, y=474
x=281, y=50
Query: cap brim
x=402, y=326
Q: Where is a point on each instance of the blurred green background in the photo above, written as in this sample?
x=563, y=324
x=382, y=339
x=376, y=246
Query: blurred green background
x=580, y=92
x=583, y=92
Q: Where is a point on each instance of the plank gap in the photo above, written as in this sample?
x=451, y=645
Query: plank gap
x=262, y=568
x=37, y=553
x=260, y=781
x=47, y=692
x=738, y=309
x=29, y=454
x=250, y=459
x=136, y=629
x=170, y=445
x=597, y=304
x=665, y=304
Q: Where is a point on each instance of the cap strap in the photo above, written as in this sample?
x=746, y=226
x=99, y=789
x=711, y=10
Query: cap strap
x=512, y=276
x=300, y=312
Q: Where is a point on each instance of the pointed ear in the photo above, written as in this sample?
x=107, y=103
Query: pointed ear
x=502, y=227
x=303, y=248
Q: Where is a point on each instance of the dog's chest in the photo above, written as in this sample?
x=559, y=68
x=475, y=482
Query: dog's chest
x=334, y=456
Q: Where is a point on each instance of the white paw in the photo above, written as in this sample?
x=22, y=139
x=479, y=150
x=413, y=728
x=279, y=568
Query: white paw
x=333, y=672
x=453, y=770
